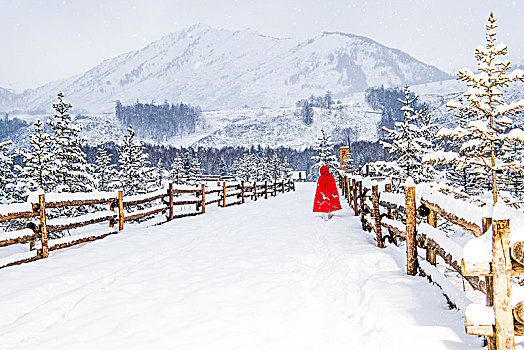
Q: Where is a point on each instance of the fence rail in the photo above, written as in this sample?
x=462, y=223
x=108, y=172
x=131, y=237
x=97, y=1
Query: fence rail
x=412, y=216
x=121, y=210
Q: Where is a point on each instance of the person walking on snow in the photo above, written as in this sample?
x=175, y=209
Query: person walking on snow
x=326, y=197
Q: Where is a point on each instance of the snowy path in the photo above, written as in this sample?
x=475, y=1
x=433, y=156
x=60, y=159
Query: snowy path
x=265, y=275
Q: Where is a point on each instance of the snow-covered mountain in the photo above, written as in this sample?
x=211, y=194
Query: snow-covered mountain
x=223, y=69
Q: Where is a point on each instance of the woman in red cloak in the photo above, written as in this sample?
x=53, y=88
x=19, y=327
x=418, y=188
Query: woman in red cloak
x=326, y=197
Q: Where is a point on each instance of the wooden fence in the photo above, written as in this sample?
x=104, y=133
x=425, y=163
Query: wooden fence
x=412, y=217
x=121, y=210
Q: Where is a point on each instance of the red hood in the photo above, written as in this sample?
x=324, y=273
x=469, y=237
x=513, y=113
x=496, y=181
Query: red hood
x=324, y=170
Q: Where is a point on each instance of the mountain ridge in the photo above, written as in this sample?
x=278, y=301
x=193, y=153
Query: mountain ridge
x=224, y=69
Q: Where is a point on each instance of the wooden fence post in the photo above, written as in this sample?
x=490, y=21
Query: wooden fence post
x=275, y=188
x=204, y=198
x=431, y=257
x=411, y=230
x=120, y=211
x=361, y=208
x=242, y=188
x=390, y=213
x=170, y=192
x=43, y=226
x=501, y=267
x=355, y=208
x=255, y=190
x=224, y=196
x=376, y=214
x=348, y=186
x=265, y=189
x=361, y=199
x=492, y=341
x=283, y=189
x=289, y=185
x=294, y=186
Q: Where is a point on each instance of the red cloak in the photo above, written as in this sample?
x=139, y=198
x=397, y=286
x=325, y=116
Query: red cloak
x=326, y=197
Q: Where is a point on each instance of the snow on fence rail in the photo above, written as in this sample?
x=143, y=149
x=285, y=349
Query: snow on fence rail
x=492, y=252
x=121, y=210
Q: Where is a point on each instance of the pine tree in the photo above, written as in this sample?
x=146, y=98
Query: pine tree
x=7, y=177
x=195, y=172
x=286, y=170
x=71, y=169
x=38, y=159
x=325, y=155
x=307, y=113
x=177, y=171
x=408, y=141
x=105, y=172
x=490, y=134
x=159, y=173
x=135, y=174
x=275, y=168
x=222, y=168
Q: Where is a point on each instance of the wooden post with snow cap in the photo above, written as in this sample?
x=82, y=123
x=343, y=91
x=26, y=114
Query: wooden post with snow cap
x=376, y=214
x=242, y=188
x=255, y=190
x=501, y=267
x=355, y=208
x=170, y=192
x=411, y=230
x=224, y=195
x=120, y=211
x=348, y=184
x=390, y=212
x=492, y=341
x=431, y=257
x=204, y=197
x=43, y=226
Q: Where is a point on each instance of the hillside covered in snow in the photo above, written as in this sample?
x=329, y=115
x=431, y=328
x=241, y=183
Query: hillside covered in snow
x=223, y=69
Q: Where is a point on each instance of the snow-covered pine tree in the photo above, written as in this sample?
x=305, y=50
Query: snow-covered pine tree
x=222, y=168
x=195, y=172
x=160, y=173
x=177, y=172
x=491, y=133
x=262, y=172
x=275, y=168
x=408, y=141
x=135, y=174
x=286, y=169
x=71, y=170
x=38, y=159
x=105, y=172
x=325, y=155
x=7, y=177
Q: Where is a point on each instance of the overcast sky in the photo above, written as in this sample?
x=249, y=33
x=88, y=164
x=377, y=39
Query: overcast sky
x=45, y=40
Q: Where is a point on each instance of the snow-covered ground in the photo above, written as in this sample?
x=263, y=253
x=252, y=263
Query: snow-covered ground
x=264, y=275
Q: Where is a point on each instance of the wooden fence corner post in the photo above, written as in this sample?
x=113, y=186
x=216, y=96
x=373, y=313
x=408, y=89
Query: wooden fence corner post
x=411, y=231
x=120, y=211
x=431, y=257
x=492, y=341
x=242, y=189
x=170, y=192
x=204, y=198
x=501, y=267
x=376, y=214
x=43, y=226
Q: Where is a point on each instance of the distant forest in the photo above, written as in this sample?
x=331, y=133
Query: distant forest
x=9, y=127
x=160, y=122
x=362, y=151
